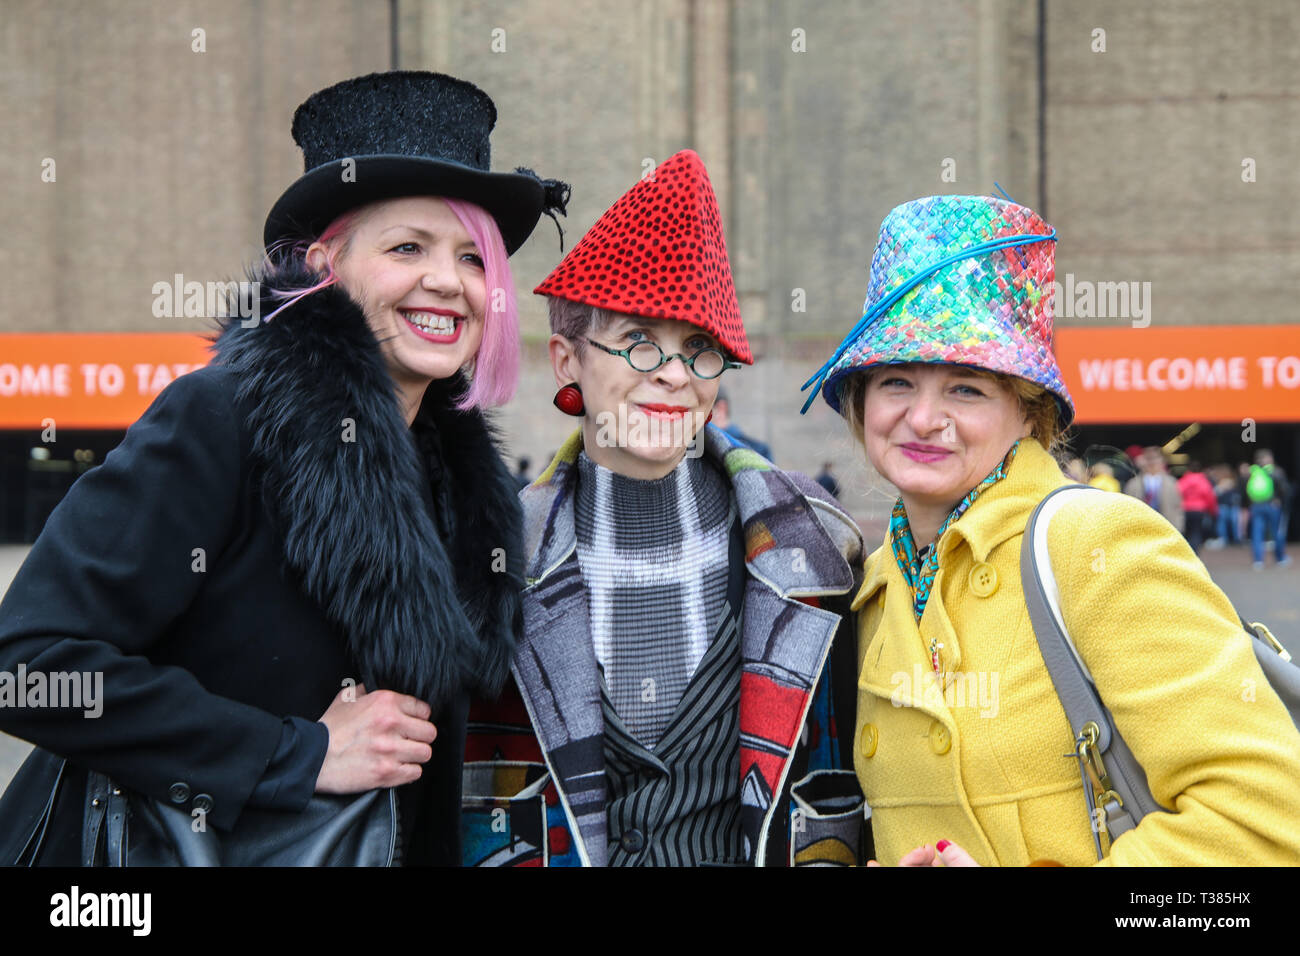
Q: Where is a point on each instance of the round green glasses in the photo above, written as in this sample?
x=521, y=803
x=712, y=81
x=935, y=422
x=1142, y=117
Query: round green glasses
x=646, y=357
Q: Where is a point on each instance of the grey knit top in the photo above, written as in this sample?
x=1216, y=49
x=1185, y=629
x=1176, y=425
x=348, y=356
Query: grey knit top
x=653, y=555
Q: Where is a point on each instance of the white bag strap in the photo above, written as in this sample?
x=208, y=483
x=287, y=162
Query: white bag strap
x=1042, y=559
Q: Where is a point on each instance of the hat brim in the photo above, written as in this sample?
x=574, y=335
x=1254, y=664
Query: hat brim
x=887, y=343
x=321, y=195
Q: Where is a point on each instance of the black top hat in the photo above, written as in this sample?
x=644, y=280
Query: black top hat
x=407, y=133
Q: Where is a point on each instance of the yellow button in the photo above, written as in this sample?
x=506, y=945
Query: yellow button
x=940, y=738
x=983, y=579
x=868, y=737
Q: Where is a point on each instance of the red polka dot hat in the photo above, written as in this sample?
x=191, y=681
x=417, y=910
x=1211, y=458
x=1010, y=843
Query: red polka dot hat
x=659, y=252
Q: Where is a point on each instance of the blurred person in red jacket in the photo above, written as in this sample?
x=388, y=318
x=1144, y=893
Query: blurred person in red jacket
x=1200, y=504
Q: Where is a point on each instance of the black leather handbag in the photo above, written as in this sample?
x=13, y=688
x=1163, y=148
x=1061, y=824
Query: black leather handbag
x=123, y=828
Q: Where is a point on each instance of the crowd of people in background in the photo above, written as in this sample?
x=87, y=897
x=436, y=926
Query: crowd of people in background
x=1216, y=507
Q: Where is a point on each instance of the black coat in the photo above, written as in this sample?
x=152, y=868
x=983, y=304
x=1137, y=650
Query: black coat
x=269, y=529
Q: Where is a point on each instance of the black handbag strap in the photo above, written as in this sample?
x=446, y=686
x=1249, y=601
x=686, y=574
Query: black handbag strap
x=31, y=850
x=104, y=823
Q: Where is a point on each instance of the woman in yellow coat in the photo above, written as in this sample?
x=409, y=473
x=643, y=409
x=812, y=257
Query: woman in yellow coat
x=962, y=747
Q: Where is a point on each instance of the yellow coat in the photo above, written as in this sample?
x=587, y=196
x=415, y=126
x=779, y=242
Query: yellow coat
x=982, y=763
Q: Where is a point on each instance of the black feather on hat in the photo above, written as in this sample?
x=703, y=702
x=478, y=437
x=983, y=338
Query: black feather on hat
x=405, y=133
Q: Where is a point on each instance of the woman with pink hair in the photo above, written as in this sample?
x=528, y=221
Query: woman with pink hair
x=305, y=556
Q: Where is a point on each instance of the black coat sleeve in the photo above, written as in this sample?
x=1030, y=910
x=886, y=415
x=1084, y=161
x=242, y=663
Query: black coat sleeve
x=112, y=571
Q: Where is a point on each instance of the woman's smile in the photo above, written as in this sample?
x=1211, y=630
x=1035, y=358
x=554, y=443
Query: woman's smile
x=418, y=275
x=925, y=453
x=639, y=423
x=441, y=326
x=663, y=411
x=934, y=431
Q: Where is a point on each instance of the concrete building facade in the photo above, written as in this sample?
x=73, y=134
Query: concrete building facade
x=146, y=140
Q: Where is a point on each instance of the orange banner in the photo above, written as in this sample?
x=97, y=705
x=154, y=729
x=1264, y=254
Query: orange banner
x=1117, y=375
x=90, y=380
x=1208, y=374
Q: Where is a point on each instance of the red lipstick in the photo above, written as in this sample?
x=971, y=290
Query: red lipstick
x=924, y=453
x=667, y=411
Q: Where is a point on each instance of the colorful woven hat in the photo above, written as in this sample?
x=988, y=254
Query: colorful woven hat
x=965, y=280
x=659, y=252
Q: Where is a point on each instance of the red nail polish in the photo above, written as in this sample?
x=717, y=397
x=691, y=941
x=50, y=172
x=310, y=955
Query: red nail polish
x=943, y=845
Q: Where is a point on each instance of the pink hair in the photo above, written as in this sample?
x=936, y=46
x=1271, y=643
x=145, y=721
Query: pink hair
x=496, y=364
x=277, y=253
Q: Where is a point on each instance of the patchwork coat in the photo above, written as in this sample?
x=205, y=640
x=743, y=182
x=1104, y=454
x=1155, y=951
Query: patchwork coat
x=535, y=790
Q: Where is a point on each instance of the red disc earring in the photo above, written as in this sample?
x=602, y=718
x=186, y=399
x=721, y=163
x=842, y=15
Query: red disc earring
x=569, y=400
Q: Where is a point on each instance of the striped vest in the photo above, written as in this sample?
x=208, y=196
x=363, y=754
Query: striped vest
x=679, y=804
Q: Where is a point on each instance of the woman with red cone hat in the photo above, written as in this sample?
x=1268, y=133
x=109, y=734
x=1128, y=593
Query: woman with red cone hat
x=673, y=687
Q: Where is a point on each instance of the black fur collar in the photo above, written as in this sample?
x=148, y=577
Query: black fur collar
x=422, y=616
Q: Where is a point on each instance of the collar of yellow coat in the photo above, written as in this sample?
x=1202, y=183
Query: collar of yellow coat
x=999, y=513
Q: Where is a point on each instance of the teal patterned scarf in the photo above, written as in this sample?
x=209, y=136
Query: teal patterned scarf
x=919, y=572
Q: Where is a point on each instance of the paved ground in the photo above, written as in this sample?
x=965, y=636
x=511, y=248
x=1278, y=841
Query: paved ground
x=1271, y=595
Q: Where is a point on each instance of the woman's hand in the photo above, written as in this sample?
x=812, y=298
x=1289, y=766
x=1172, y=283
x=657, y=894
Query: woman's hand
x=945, y=853
x=376, y=740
